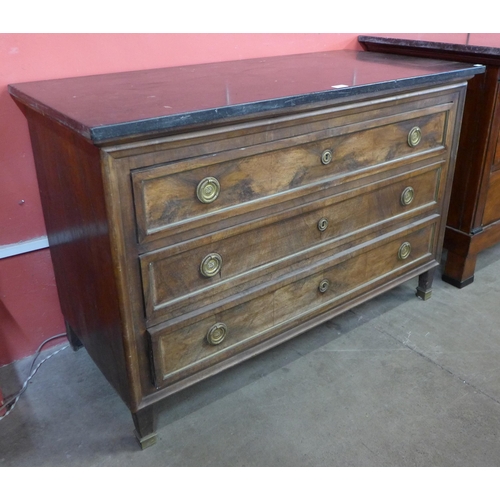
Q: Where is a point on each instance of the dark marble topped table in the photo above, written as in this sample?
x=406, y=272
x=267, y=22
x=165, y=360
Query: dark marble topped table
x=106, y=107
x=134, y=236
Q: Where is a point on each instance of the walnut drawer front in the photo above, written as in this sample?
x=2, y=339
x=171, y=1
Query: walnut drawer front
x=181, y=348
x=180, y=279
x=197, y=191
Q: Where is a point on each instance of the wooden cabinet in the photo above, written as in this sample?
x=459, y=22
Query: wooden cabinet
x=198, y=216
x=474, y=217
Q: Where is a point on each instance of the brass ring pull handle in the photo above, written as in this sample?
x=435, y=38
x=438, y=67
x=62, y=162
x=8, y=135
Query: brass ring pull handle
x=216, y=334
x=211, y=265
x=414, y=137
x=404, y=251
x=324, y=285
x=323, y=224
x=407, y=196
x=326, y=156
x=208, y=190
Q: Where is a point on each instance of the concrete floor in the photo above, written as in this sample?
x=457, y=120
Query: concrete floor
x=394, y=382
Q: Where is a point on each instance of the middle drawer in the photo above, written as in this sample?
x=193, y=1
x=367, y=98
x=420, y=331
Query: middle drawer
x=184, y=277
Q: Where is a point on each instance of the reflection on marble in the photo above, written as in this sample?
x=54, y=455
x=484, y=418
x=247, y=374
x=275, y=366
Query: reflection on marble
x=106, y=107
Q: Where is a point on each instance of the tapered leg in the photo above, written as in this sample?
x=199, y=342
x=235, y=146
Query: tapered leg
x=459, y=269
x=424, y=288
x=73, y=340
x=145, y=426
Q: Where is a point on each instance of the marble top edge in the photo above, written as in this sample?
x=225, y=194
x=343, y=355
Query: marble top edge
x=115, y=106
x=432, y=44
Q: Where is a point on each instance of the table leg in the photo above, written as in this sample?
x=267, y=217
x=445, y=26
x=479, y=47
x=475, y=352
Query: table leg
x=145, y=421
x=424, y=288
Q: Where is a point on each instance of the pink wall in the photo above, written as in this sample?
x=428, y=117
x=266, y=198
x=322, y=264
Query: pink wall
x=29, y=309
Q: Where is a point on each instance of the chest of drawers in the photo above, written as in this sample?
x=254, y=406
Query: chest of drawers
x=198, y=216
x=473, y=222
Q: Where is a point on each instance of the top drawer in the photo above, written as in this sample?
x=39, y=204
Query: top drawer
x=200, y=190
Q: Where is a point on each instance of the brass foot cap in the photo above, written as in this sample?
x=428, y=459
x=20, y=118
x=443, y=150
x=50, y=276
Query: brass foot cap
x=424, y=295
x=146, y=441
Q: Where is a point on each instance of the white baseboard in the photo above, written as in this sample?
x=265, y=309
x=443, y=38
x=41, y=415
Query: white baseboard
x=23, y=247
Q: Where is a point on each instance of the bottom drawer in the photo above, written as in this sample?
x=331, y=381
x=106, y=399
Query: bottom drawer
x=182, y=348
